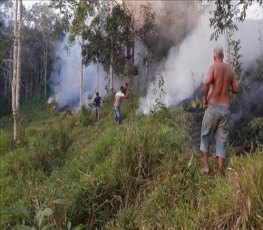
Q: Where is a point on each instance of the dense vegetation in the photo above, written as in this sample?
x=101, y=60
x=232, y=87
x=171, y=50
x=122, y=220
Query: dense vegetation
x=41, y=29
x=74, y=172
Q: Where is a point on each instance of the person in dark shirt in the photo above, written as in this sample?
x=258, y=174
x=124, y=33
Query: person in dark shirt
x=96, y=103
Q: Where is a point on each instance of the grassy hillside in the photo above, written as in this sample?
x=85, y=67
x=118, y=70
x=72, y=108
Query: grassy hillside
x=75, y=173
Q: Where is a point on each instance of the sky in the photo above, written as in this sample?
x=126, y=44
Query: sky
x=29, y=3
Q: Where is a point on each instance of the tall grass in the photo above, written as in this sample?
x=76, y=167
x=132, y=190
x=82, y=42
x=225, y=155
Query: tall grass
x=138, y=175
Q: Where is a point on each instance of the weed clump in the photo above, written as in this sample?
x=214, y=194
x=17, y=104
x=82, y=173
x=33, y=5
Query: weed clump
x=6, y=142
x=84, y=118
x=96, y=204
x=49, y=148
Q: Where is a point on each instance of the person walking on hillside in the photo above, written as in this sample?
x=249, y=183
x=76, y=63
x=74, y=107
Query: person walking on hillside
x=96, y=103
x=216, y=101
x=119, y=96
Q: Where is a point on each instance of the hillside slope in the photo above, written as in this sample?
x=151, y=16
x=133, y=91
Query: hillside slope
x=76, y=173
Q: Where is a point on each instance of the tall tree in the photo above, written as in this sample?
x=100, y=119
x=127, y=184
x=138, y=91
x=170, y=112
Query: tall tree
x=17, y=68
x=80, y=11
x=147, y=33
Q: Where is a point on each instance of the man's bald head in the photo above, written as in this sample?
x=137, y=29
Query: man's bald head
x=219, y=52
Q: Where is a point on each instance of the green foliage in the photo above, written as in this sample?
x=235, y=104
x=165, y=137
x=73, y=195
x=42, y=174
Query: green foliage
x=236, y=58
x=109, y=40
x=225, y=14
x=41, y=28
x=147, y=32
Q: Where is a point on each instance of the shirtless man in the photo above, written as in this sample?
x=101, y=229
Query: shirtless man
x=220, y=79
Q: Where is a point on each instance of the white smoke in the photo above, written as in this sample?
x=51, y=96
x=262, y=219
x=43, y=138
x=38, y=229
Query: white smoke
x=187, y=63
x=65, y=78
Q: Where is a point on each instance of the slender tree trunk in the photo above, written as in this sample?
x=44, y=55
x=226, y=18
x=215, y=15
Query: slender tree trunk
x=45, y=68
x=14, y=79
x=5, y=84
x=31, y=87
x=38, y=84
x=81, y=66
x=18, y=86
x=10, y=77
x=40, y=79
x=81, y=78
x=111, y=57
x=146, y=72
x=98, y=71
x=26, y=90
x=111, y=73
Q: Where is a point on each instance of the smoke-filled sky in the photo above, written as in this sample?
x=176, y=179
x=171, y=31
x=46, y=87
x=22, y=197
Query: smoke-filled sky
x=188, y=62
x=183, y=70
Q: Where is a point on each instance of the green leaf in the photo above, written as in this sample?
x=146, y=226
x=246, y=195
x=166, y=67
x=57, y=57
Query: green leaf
x=16, y=210
x=69, y=225
x=95, y=21
x=63, y=202
x=26, y=227
x=41, y=214
x=47, y=227
x=79, y=227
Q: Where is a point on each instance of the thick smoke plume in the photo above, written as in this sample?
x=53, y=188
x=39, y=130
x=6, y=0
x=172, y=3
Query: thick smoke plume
x=65, y=78
x=173, y=19
x=187, y=63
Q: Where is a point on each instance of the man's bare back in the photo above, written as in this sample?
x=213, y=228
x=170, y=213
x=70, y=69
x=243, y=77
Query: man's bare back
x=220, y=80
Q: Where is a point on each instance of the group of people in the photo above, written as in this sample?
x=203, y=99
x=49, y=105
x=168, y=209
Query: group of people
x=216, y=102
x=119, y=96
